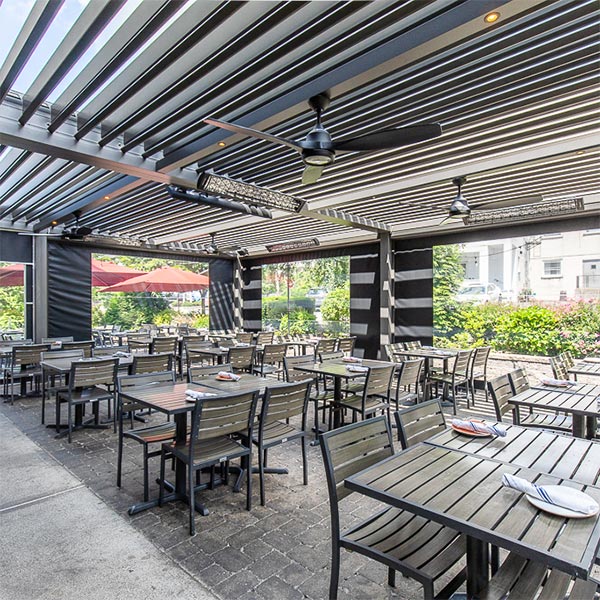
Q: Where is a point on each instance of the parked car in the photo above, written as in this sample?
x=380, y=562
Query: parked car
x=479, y=292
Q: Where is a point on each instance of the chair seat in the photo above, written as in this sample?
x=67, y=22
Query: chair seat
x=447, y=378
x=217, y=449
x=277, y=432
x=548, y=421
x=420, y=548
x=27, y=372
x=157, y=433
x=407, y=397
x=355, y=386
x=86, y=395
x=267, y=369
x=371, y=405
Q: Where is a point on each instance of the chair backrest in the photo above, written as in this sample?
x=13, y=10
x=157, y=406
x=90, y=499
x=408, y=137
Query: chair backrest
x=273, y=354
x=501, y=392
x=410, y=372
x=164, y=344
x=350, y=449
x=413, y=345
x=66, y=338
x=559, y=369
x=326, y=345
x=226, y=343
x=336, y=354
x=76, y=353
x=284, y=402
x=480, y=359
x=151, y=363
x=461, y=362
x=198, y=372
x=289, y=364
x=89, y=373
x=265, y=337
x=346, y=345
x=86, y=346
x=109, y=350
x=28, y=355
x=379, y=381
x=224, y=415
x=129, y=382
x=419, y=422
x=241, y=358
x=390, y=350
x=518, y=381
x=245, y=337
x=568, y=359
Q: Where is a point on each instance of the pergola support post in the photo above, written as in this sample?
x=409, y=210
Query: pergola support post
x=40, y=286
x=386, y=291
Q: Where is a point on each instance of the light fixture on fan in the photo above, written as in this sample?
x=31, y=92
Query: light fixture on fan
x=459, y=209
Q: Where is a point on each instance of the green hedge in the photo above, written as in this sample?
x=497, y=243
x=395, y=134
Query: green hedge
x=534, y=329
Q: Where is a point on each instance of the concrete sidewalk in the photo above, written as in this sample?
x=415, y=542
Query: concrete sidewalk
x=59, y=541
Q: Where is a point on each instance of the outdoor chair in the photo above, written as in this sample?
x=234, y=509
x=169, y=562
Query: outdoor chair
x=334, y=355
x=264, y=337
x=241, y=359
x=390, y=536
x=413, y=345
x=211, y=442
x=419, y=422
x=90, y=382
x=244, y=337
x=24, y=365
x=390, y=352
x=326, y=345
x=559, y=368
x=152, y=363
x=271, y=360
x=108, y=350
x=53, y=340
x=478, y=371
x=279, y=405
x=455, y=378
x=408, y=376
x=191, y=344
x=518, y=381
x=374, y=396
x=143, y=435
x=197, y=372
x=322, y=399
x=346, y=345
x=139, y=343
x=87, y=346
x=164, y=344
x=61, y=385
x=501, y=392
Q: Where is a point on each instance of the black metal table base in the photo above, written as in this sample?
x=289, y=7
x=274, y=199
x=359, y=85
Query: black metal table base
x=86, y=425
x=237, y=486
x=172, y=497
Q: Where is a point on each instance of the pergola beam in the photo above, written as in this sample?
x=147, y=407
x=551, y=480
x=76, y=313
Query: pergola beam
x=331, y=215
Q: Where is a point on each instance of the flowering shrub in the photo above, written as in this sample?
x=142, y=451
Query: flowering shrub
x=532, y=329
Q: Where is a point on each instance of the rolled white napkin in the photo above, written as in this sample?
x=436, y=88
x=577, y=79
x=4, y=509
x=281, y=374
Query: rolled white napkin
x=558, y=495
x=121, y=354
x=224, y=348
x=480, y=427
x=195, y=395
x=356, y=369
x=242, y=345
x=556, y=382
x=591, y=359
x=352, y=359
x=228, y=375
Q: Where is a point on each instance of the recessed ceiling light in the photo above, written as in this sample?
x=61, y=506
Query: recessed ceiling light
x=491, y=17
x=222, y=144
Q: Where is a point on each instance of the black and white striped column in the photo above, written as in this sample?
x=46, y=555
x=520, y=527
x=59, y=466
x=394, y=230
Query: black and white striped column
x=221, y=294
x=238, y=320
x=252, y=297
x=413, y=315
x=386, y=291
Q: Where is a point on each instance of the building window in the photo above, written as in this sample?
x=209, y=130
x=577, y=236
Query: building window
x=552, y=268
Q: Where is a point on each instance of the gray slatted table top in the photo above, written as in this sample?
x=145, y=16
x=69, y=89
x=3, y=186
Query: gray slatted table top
x=209, y=351
x=554, y=399
x=585, y=389
x=337, y=368
x=585, y=368
x=63, y=365
x=465, y=493
x=442, y=353
x=247, y=383
x=559, y=455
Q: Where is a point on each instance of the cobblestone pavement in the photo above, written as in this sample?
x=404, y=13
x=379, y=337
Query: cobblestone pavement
x=274, y=552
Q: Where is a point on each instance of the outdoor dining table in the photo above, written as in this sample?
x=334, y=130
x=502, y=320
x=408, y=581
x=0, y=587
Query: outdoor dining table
x=582, y=407
x=465, y=492
x=217, y=354
x=336, y=369
x=586, y=368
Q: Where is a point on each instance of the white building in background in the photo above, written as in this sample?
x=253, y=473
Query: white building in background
x=553, y=266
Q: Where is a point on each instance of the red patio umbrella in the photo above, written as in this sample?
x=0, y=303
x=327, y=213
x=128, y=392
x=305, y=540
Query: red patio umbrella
x=165, y=279
x=104, y=273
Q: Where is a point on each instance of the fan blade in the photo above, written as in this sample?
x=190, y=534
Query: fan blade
x=389, y=138
x=311, y=174
x=40, y=234
x=494, y=204
x=253, y=133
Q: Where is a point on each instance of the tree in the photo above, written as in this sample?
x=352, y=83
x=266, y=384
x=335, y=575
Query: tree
x=336, y=305
x=448, y=275
x=12, y=307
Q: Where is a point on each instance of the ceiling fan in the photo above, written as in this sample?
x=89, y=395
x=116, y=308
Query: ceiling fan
x=318, y=150
x=461, y=208
x=73, y=233
x=213, y=248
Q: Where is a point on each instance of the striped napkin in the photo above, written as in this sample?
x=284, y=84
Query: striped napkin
x=194, y=395
x=556, y=382
x=480, y=427
x=352, y=359
x=558, y=495
x=591, y=359
x=356, y=369
x=228, y=375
